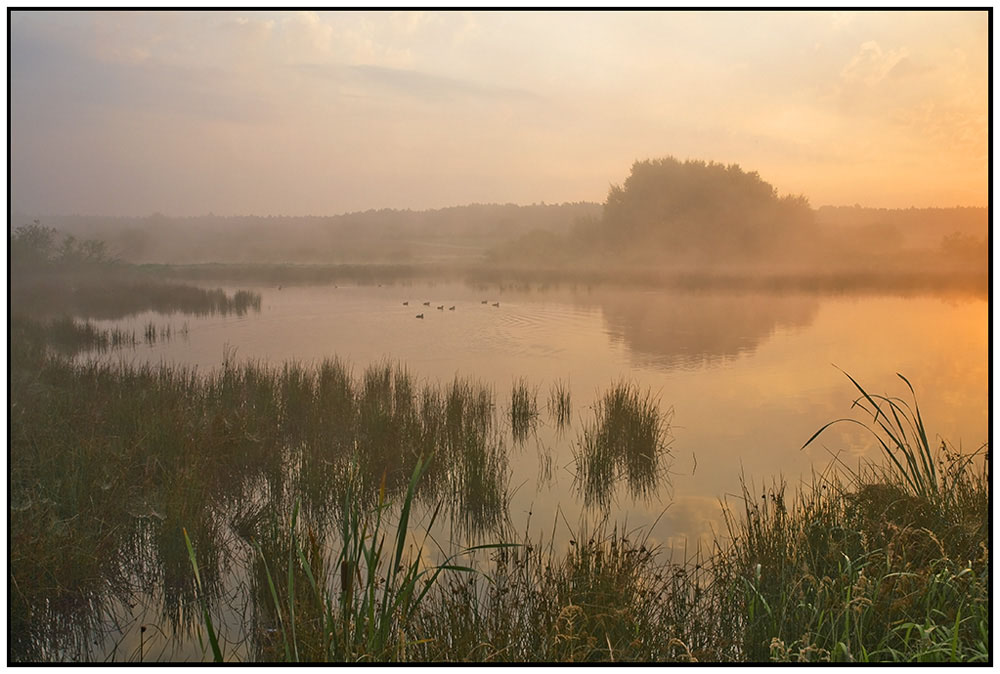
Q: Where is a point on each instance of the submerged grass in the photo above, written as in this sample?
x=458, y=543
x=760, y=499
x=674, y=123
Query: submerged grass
x=628, y=439
x=523, y=410
x=559, y=404
x=113, y=460
x=70, y=337
x=370, y=616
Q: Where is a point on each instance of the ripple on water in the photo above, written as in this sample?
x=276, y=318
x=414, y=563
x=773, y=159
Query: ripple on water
x=535, y=329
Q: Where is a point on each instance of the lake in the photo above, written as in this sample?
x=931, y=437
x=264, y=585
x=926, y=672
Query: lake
x=744, y=379
x=749, y=377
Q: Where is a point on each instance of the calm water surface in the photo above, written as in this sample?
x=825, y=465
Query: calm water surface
x=748, y=377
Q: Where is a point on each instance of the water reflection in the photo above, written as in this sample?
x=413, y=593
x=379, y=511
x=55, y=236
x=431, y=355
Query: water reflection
x=277, y=433
x=702, y=329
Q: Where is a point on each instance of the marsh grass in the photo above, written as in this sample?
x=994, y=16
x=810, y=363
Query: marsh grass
x=501, y=276
x=116, y=293
x=315, y=479
x=886, y=563
x=627, y=440
x=853, y=568
x=523, y=410
x=559, y=407
x=850, y=571
x=114, y=459
x=368, y=616
x=69, y=336
x=609, y=597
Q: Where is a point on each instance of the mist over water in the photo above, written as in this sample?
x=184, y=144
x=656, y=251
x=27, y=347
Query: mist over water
x=285, y=285
x=749, y=376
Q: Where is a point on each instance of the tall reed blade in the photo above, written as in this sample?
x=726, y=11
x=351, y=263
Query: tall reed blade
x=212, y=639
x=911, y=456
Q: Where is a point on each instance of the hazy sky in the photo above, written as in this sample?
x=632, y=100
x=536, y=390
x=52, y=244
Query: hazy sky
x=244, y=112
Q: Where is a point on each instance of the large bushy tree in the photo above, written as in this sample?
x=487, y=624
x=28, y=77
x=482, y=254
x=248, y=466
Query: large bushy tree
x=702, y=209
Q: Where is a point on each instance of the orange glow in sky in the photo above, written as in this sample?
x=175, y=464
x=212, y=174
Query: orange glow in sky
x=239, y=112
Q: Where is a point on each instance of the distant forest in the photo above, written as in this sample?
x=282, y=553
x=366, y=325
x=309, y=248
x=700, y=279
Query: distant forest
x=385, y=235
x=668, y=214
x=696, y=215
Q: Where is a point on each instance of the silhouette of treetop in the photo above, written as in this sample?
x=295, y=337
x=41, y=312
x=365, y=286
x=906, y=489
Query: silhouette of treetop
x=705, y=207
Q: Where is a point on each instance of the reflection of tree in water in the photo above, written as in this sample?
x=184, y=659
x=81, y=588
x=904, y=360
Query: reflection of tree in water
x=695, y=329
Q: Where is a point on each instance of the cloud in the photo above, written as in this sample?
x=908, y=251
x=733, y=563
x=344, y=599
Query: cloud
x=841, y=20
x=306, y=32
x=251, y=31
x=870, y=65
x=907, y=67
x=946, y=125
x=422, y=84
x=416, y=84
x=129, y=55
x=487, y=103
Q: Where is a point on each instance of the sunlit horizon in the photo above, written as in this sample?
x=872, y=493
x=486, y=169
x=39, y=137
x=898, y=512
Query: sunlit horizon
x=321, y=113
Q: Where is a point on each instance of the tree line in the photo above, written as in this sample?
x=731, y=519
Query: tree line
x=698, y=214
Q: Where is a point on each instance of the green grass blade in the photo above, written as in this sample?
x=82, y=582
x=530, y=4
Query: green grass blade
x=824, y=427
x=212, y=639
x=277, y=602
x=392, y=572
x=924, y=444
x=865, y=394
x=916, y=407
x=291, y=583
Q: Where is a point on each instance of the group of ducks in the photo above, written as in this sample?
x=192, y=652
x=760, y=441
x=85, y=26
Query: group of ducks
x=441, y=306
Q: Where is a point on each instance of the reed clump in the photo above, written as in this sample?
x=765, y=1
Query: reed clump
x=69, y=336
x=888, y=563
x=122, y=292
x=627, y=439
x=523, y=410
x=354, y=600
x=559, y=404
x=609, y=597
x=115, y=459
x=476, y=457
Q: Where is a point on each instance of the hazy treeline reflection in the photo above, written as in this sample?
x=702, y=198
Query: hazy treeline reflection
x=695, y=329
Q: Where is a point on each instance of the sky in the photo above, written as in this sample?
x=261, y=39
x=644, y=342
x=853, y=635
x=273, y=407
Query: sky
x=326, y=112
